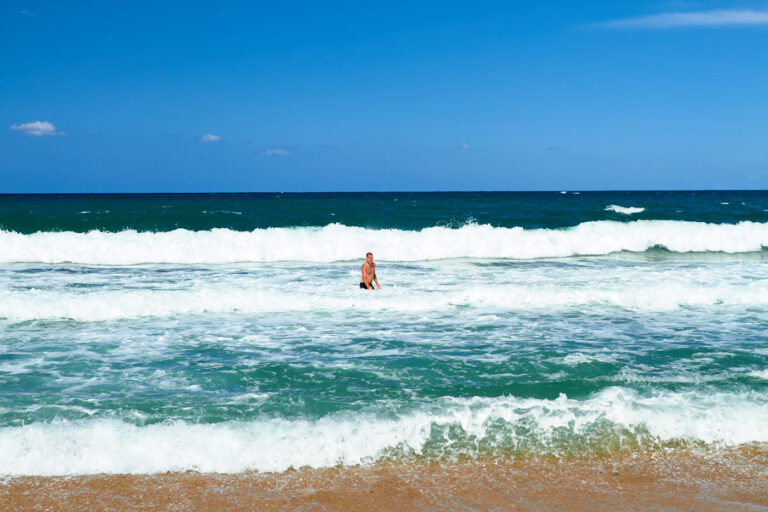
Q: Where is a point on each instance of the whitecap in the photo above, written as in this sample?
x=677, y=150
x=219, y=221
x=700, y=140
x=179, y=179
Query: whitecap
x=336, y=242
x=626, y=210
x=101, y=445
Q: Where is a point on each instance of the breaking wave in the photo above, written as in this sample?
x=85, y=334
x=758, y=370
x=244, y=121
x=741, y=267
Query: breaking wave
x=133, y=303
x=626, y=210
x=336, y=242
x=614, y=419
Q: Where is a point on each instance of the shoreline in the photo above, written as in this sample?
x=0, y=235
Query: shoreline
x=704, y=480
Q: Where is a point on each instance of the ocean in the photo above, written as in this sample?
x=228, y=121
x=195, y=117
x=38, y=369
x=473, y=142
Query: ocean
x=227, y=333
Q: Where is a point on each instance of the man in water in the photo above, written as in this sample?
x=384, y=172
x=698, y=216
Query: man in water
x=369, y=273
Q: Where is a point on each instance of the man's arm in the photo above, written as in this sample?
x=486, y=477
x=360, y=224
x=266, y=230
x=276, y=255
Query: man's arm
x=376, y=280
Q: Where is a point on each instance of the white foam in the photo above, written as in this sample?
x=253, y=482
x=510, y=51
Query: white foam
x=578, y=358
x=112, y=446
x=626, y=210
x=759, y=374
x=336, y=242
x=112, y=305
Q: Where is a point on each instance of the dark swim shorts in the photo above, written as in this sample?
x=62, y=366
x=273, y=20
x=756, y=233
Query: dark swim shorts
x=362, y=285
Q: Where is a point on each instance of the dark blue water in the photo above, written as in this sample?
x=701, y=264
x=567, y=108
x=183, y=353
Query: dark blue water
x=164, y=212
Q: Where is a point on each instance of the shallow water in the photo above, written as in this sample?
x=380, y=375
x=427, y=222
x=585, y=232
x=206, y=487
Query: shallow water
x=252, y=347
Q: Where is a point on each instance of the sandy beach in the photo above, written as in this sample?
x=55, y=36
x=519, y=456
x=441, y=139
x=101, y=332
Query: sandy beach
x=561, y=209
x=733, y=480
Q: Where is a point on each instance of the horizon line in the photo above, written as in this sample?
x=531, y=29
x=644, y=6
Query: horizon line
x=553, y=191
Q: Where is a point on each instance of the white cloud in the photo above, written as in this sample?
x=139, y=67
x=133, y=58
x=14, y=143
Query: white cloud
x=209, y=137
x=717, y=18
x=37, y=128
x=465, y=146
x=276, y=152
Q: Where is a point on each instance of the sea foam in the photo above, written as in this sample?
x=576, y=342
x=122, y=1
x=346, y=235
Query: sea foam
x=336, y=242
x=626, y=210
x=222, y=299
x=448, y=427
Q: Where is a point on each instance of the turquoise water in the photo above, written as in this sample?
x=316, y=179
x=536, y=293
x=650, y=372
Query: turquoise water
x=228, y=333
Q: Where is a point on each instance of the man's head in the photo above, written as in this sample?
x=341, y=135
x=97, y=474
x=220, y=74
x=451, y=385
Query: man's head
x=369, y=257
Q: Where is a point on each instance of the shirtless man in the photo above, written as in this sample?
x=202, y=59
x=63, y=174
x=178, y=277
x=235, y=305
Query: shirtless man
x=369, y=273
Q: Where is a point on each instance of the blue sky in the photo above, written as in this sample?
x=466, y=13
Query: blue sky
x=134, y=96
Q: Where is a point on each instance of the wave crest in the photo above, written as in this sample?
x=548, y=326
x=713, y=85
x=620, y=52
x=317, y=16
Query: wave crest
x=125, y=304
x=626, y=210
x=613, y=419
x=336, y=242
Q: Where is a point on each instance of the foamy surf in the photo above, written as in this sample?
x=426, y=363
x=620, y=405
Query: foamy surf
x=127, y=304
x=227, y=348
x=613, y=419
x=626, y=210
x=336, y=242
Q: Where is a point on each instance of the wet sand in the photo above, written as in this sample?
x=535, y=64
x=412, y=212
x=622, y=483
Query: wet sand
x=733, y=480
